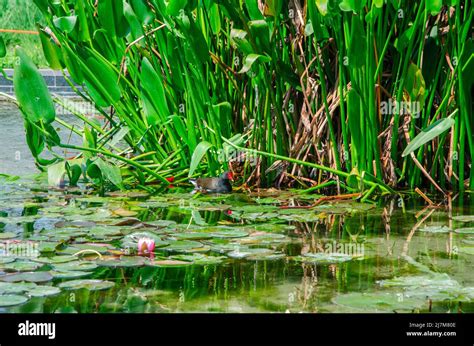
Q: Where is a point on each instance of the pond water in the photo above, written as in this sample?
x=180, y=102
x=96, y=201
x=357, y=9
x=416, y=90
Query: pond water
x=66, y=251
x=15, y=156
x=73, y=251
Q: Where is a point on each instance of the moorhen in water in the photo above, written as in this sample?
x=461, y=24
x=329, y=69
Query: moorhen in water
x=214, y=185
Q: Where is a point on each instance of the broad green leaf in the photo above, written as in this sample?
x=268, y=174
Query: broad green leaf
x=31, y=90
x=273, y=8
x=215, y=19
x=353, y=180
x=434, y=6
x=80, y=10
x=111, y=16
x=429, y=134
x=52, y=53
x=254, y=11
x=101, y=81
x=198, y=154
x=66, y=24
x=251, y=59
x=322, y=6
x=12, y=299
x=56, y=173
x=42, y=5
x=378, y=3
x=99, y=167
x=260, y=31
x=175, y=7
x=239, y=39
x=3, y=48
x=90, y=285
x=352, y=5
x=136, y=28
x=402, y=42
x=142, y=11
x=154, y=92
x=358, y=43
x=415, y=84
x=74, y=172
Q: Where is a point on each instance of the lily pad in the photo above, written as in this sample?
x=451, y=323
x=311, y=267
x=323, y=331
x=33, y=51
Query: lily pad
x=464, y=218
x=16, y=287
x=324, y=258
x=229, y=233
x=378, y=301
x=55, y=259
x=46, y=246
x=169, y=263
x=8, y=235
x=192, y=235
x=124, y=261
x=12, y=300
x=21, y=266
x=27, y=277
x=266, y=257
x=437, y=287
x=467, y=230
x=43, y=291
x=266, y=239
x=199, y=259
x=436, y=229
x=69, y=274
x=91, y=285
x=421, y=281
x=75, y=266
x=5, y=260
x=244, y=252
x=183, y=246
x=466, y=250
x=71, y=250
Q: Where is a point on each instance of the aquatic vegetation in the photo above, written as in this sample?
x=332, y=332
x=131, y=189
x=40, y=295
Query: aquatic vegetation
x=367, y=96
x=208, y=260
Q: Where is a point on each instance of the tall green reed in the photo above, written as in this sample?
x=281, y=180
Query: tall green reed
x=338, y=87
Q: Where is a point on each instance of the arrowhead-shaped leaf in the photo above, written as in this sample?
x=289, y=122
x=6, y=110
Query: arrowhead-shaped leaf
x=429, y=134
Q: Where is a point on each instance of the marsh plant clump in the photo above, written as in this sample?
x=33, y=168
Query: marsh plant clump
x=374, y=95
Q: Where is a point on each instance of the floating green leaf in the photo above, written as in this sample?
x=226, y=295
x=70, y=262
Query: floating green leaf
x=27, y=277
x=12, y=300
x=90, y=285
x=463, y=218
x=43, y=291
x=378, y=302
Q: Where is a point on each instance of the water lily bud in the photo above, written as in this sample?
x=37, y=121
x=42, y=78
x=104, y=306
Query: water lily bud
x=146, y=245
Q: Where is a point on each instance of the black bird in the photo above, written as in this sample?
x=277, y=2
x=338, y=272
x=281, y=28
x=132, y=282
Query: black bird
x=214, y=185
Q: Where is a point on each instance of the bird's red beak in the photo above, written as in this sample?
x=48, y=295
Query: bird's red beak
x=230, y=176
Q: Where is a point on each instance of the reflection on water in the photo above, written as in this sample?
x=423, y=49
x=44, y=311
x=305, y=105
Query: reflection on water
x=348, y=257
x=15, y=156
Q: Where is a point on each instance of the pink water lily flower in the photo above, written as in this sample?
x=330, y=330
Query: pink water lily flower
x=146, y=245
